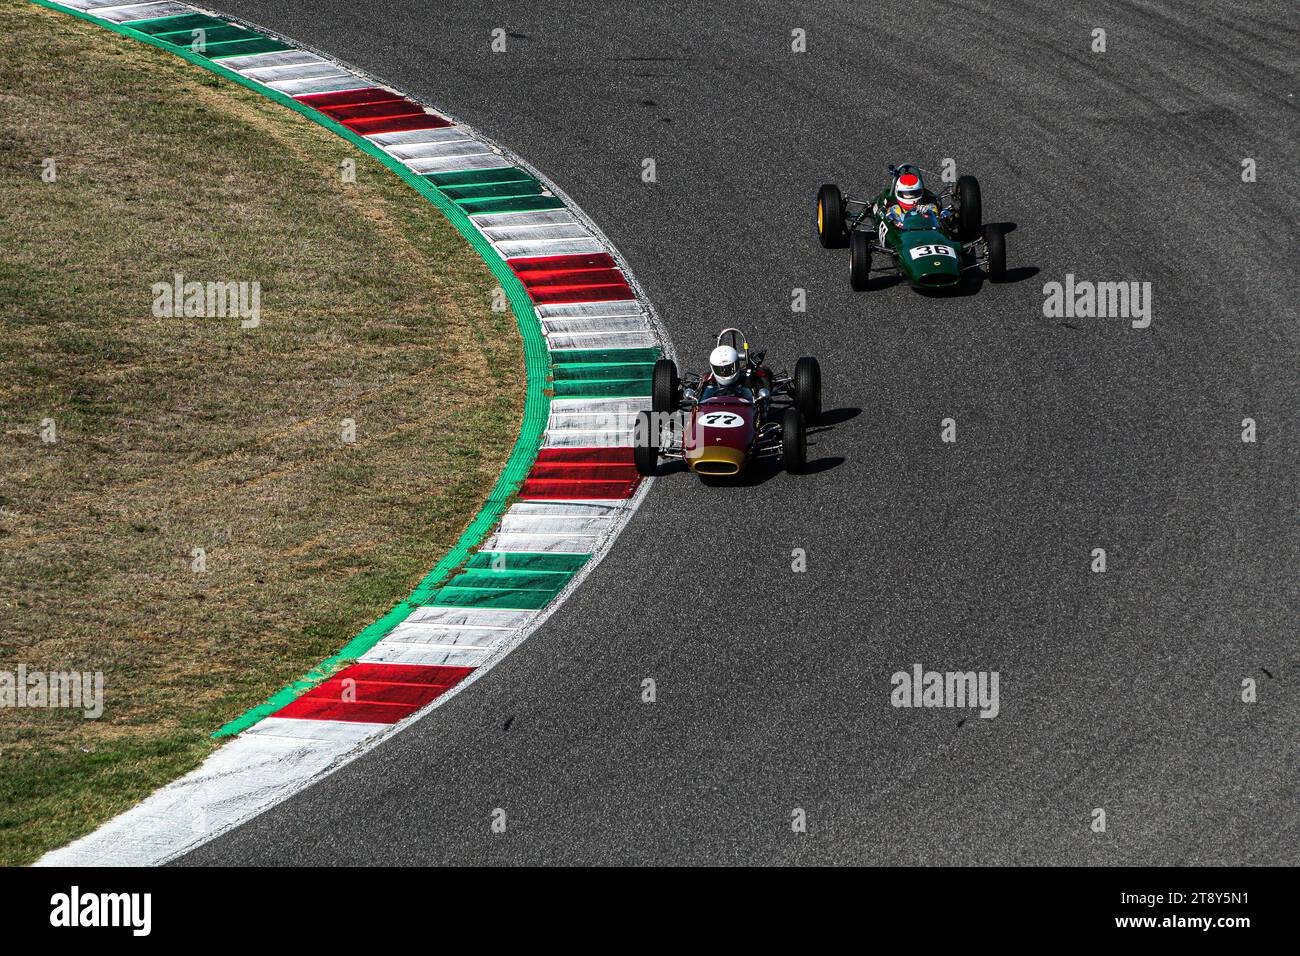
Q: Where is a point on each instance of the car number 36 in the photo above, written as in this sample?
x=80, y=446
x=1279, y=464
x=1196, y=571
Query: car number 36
x=920, y=251
x=721, y=420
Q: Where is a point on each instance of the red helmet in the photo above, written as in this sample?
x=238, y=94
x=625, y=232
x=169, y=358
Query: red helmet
x=908, y=189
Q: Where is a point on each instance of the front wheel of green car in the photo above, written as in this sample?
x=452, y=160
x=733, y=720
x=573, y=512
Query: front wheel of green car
x=996, y=244
x=859, y=260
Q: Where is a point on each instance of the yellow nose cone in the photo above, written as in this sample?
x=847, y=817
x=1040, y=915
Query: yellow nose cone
x=716, y=460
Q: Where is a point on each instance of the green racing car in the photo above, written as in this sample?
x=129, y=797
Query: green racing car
x=932, y=241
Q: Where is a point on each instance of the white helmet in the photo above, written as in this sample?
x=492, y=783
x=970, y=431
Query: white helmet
x=725, y=362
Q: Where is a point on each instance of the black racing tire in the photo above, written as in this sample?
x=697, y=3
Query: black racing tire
x=667, y=388
x=808, y=388
x=645, y=450
x=794, y=443
x=830, y=216
x=859, y=260
x=997, y=249
x=970, y=208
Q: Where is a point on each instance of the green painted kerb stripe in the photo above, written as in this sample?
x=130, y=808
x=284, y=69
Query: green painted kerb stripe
x=469, y=177
x=481, y=207
x=607, y=356
x=536, y=359
x=528, y=560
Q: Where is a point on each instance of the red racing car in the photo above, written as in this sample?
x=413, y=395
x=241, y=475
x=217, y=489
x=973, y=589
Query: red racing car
x=737, y=413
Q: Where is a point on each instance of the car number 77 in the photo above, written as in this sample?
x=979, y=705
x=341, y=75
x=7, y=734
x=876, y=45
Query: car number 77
x=721, y=419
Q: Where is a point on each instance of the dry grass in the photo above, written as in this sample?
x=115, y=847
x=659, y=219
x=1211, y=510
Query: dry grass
x=183, y=433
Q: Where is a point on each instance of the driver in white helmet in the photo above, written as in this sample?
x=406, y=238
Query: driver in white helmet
x=729, y=374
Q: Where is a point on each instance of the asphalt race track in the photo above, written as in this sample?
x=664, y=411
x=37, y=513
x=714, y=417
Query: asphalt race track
x=1119, y=690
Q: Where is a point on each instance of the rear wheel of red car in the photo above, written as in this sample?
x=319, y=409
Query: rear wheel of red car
x=666, y=390
x=859, y=260
x=645, y=444
x=794, y=443
x=970, y=208
x=808, y=388
x=830, y=216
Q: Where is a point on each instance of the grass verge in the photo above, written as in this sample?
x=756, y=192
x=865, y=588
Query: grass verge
x=177, y=434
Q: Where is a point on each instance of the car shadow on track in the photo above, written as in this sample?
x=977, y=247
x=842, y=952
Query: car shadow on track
x=884, y=281
x=1020, y=274
x=764, y=470
x=832, y=417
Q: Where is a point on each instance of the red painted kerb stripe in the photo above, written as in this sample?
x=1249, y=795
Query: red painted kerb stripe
x=575, y=474
x=587, y=277
x=375, y=693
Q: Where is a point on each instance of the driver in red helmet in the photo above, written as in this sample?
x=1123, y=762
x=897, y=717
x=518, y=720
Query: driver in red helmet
x=910, y=195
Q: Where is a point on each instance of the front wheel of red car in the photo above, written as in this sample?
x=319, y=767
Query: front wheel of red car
x=645, y=445
x=794, y=443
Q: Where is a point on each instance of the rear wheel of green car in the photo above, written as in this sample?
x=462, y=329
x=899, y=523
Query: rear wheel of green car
x=830, y=216
x=970, y=208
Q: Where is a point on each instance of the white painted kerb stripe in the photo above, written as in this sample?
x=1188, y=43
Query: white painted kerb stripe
x=246, y=776
x=252, y=61
x=335, y=731
x=143, y=11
